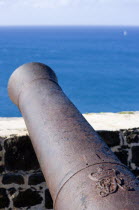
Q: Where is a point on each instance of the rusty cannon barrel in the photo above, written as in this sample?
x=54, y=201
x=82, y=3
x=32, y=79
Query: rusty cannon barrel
x=81, y=171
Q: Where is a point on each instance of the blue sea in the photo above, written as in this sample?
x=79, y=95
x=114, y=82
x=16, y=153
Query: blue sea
x=97, y=67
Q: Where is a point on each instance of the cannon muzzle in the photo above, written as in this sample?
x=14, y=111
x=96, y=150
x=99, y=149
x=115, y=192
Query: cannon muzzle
x=81, y=171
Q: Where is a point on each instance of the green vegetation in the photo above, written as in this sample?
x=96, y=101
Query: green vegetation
x=126, y=112
x=123, y=112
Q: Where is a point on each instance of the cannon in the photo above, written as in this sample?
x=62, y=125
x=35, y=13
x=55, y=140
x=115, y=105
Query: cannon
x=81, y=171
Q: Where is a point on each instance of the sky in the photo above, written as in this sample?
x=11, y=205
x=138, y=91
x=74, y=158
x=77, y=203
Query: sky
x=69, y=12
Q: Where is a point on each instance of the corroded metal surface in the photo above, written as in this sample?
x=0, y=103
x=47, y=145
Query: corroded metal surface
x=80, y=169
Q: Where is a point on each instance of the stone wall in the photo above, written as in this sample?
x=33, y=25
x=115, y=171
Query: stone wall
x=22, y=185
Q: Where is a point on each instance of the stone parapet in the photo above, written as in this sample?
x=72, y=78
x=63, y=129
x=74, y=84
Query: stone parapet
x=22, y=185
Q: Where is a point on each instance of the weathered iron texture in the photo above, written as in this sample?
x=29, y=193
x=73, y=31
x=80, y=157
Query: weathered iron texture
x=81, y=171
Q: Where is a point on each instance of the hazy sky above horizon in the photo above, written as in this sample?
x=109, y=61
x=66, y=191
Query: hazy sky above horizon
x=69, y=12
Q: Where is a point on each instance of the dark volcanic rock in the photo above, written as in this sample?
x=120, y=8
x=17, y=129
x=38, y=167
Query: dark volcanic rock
x=0, y=147
x=135, y=155
x=4, y=200
x=12, y=178
x=29, y=197
x=123, y=156
x=48, y=200
x=110, y=137
x=35, y=179
x=20, y=154
x=131, y=135
x=2, y=169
